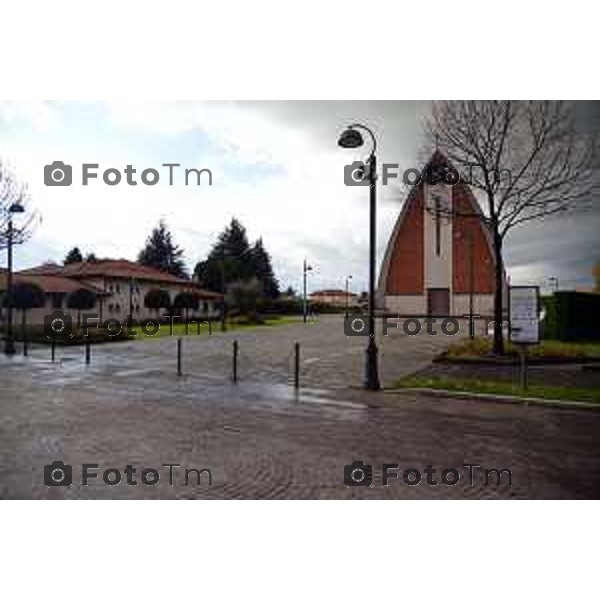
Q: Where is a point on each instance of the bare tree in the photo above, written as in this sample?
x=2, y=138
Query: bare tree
x=13, y=191
x=526, y=161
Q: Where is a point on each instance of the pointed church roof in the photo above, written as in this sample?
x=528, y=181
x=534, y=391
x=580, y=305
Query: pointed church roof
x=405, y=238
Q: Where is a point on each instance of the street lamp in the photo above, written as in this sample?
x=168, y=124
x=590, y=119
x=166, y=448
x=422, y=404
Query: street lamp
x=9, y=342
x=306, y=268
x=223, y=288
x=352, y=138
x=347, y=280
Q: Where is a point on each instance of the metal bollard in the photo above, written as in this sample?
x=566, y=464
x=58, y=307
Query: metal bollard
x=297, y=364
x=235, y=360
x=179, y=345
x=25, y=349
x=88, y=355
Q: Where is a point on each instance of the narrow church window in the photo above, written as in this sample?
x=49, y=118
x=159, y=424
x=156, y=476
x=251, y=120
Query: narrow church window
x=436, y=200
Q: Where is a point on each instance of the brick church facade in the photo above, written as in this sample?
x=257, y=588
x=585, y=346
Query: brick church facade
x=439, y=254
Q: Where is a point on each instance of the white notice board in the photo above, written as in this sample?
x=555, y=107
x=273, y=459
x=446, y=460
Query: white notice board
x=524, y=314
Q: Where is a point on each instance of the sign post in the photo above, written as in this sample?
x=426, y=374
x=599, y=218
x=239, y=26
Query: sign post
x=524, y=321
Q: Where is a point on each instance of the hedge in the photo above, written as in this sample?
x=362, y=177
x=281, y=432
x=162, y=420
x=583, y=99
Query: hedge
x=572, y=316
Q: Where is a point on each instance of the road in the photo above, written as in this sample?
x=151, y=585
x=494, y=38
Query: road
x=261, y=438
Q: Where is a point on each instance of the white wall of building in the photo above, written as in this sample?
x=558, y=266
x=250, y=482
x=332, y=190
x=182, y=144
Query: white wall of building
x=406, y=305
x=438, y=267
x=115, y=305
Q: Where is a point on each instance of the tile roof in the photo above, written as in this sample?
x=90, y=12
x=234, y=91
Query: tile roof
x=332, y=293
x=119, y=268
x=49, y=283
x=52, y=277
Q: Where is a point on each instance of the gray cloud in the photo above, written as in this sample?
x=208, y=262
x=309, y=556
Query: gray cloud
x=566, y=248
x=323, y=221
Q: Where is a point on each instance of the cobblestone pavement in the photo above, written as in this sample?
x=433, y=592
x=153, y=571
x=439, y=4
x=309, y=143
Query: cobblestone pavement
x=261, y=439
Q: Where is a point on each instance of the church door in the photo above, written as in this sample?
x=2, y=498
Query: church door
x=438, y=301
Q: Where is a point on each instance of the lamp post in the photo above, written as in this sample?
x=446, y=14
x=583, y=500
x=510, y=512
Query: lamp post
x=347, y=291
x=306, y=268
x=223, y=285
x=352, y=138
x=9, y=342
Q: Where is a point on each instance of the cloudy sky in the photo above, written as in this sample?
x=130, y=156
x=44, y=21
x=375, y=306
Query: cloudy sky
x=276, y=167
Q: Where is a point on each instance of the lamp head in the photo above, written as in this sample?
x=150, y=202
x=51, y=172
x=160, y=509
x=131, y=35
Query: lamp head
x=351, y=138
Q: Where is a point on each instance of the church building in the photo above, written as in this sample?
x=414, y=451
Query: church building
x=440, y=255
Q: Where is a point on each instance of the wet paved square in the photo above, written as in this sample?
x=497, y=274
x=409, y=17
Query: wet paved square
x=261, y=438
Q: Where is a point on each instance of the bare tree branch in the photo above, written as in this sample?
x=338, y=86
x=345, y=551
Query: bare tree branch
x=12, y=191
x=551, y=167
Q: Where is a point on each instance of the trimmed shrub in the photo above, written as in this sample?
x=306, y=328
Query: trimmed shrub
x=572, y=316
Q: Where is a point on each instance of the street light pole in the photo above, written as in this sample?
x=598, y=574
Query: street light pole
x=305, y=270
x=351, y=138
x=372, y=368
x=9, y=343
x=347, y=292
x=223, y=284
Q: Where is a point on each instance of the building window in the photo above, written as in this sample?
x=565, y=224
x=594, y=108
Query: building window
x=438, y=210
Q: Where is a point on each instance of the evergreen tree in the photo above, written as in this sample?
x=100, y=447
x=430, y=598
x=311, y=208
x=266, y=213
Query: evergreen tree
x=229, y=259
x=263, y=270
x=232, y=260
x=73, y=256
x=162, y=253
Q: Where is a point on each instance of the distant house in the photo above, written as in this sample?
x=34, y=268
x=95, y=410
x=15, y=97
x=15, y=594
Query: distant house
x=120, y=287
x=334, y=298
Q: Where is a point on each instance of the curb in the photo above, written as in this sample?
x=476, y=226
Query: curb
x=533, y=361
x=527, y=400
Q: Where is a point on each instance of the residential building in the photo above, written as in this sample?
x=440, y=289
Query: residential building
x=120, y=287
x=334, y=298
